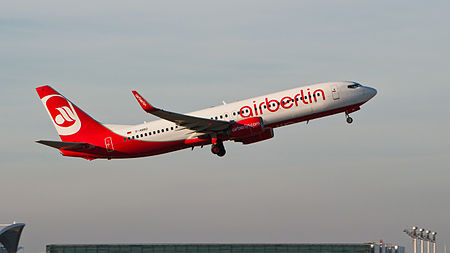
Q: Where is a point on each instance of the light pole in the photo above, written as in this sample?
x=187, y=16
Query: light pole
x=413, y=234
x=433, y=239
x=421, y=239
x=428, y=240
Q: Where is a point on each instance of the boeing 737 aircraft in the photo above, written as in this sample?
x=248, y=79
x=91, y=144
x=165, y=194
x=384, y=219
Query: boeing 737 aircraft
x=247, y=121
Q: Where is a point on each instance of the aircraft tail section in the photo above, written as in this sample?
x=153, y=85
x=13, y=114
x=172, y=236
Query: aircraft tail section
x=71, y=123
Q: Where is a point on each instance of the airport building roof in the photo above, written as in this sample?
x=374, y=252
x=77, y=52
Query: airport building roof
x=215, y=248
x=10, y=236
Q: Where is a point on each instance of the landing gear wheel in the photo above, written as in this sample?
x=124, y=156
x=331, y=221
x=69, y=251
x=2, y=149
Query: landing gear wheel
x=215, y=149
x=222, y=153
x=218, y=149
x=349, y=119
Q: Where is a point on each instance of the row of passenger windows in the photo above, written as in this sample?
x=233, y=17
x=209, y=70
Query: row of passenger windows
x=167, y=129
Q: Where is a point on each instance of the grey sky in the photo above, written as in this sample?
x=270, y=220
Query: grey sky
x=323, y=182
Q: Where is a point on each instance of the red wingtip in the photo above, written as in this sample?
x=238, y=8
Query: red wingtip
x=144, y=104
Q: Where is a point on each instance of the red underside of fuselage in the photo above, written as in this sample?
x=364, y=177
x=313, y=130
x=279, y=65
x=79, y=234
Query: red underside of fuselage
x=139, y=148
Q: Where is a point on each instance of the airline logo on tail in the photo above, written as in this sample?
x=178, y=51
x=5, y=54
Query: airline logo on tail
x=63, y=114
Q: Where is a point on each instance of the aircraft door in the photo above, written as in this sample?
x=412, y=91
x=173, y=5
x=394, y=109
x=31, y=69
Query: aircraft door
x=335, y=92
x=109, y=144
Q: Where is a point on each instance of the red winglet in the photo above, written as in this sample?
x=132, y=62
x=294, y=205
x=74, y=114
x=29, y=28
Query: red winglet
x=144, y=104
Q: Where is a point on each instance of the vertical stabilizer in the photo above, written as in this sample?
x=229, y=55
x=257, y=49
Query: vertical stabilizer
x=71, y=123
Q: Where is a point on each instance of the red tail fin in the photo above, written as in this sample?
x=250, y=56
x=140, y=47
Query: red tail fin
x=72, y=124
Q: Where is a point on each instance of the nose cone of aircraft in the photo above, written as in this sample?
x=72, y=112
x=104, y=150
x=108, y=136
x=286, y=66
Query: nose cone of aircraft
x=371, y=92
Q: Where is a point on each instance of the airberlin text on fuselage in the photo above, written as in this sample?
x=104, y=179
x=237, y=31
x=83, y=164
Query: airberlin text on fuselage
x=287, y=102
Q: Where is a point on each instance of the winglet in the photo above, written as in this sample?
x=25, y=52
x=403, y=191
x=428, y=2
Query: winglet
x=144, y=104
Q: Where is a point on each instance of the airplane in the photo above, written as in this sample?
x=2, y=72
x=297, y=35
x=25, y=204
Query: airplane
x=247, y=121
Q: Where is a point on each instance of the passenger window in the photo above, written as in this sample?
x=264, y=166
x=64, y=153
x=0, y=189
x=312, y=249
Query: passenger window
x=142, y=135
x=171, y=128
x=158, y=131
x=167, y=129
x=226, y=115
x=234, y=113
x=124, y=139
x=145, y=134
x=221, y=116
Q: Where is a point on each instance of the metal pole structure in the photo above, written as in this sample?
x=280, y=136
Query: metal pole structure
x=433, y=239
x=421, y=240
x=415, y=244
x=414, y=236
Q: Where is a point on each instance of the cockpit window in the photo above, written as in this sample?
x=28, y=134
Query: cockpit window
x=354, y=86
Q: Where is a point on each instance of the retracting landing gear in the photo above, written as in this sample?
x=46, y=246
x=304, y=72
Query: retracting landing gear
x=347, y=113
x=218, y=148
x=348, y=118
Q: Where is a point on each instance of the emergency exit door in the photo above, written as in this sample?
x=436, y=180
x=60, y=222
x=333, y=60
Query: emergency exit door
x=109, y=144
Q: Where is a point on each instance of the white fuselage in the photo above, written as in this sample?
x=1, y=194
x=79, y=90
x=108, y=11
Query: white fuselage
x=293, y=106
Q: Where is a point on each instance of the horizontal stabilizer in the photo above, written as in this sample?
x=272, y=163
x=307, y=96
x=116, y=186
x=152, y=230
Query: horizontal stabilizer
x=64, y=145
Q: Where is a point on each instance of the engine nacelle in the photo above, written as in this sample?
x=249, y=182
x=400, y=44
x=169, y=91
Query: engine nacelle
x=267, y=134
x=246, y=128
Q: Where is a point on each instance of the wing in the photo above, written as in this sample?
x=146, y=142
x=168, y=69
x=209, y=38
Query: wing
x=198, y=124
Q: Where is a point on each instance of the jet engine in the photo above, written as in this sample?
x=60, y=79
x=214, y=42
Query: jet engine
x=246, y=128
x=267, y=134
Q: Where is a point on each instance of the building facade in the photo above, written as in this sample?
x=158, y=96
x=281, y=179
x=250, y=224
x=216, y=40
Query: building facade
x=213, y=248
